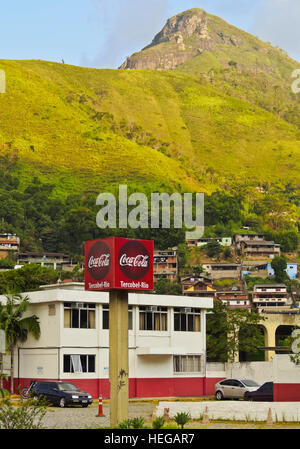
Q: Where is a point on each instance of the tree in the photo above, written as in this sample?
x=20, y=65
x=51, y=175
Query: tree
x=28, y=414
x=230, y=331
x=16, y=326
x=279, y=266
x=213, y=249
x=166, y=287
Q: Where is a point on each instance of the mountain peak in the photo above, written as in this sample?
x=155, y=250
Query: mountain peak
x=186, y=24
x=183, y=37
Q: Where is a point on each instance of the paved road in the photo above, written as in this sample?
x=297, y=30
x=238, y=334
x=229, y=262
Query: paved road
x=83, y=418
x=87, y=418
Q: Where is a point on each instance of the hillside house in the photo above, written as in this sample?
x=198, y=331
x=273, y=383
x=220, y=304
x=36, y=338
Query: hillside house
x=9, y=244
x=235, y=299
x=165, y=264
x=222, y=270
x=223, y=241
x=197, y=286
x=265, y=295
x=57, y=261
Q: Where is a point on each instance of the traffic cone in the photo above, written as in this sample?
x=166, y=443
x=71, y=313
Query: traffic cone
x=166, y=416
x=269, y=418
x=100, y=407
x=205, y=419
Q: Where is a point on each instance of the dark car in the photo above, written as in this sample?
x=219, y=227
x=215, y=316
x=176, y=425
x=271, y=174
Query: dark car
x=263, y=393
x=61, y=393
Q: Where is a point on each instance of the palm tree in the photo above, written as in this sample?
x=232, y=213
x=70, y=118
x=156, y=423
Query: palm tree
x=16, y=327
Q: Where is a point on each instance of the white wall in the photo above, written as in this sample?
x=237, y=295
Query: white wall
x=258, y=371
x=284, y=370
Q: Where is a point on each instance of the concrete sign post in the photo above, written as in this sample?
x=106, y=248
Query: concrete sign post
x=118, y=356
x=118, y=265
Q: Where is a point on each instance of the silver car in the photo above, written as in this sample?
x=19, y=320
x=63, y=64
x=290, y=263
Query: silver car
x=234, y=388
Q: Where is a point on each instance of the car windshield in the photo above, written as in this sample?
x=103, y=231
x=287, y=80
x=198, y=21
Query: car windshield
x=250, y=383
x=63, y=386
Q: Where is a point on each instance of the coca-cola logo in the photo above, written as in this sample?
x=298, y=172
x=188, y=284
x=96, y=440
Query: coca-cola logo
x=134, y=260
x=99, y=260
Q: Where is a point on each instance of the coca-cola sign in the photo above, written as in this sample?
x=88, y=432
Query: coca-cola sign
x=99, y=260
x=134, y=260
x=119, y=263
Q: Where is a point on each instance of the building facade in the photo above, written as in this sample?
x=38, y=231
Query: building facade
x=165, y=265
x=265, y=295
x=9, y=243
x=222, y=270
x=57, y=261
x=167, y=342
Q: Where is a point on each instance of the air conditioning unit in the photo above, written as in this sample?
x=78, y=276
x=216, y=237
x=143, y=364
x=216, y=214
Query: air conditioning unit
x=152, y=308
x=77, y=305
x=187, y=310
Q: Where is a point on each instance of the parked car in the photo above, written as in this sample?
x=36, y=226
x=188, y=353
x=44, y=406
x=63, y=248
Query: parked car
x=263, y=393
x=234, y=388
x=61, y=393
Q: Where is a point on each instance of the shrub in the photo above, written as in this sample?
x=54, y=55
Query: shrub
x=26, y=415
x=134, y=423
x=126, y=424
x=182, y=418
x=158, y=422
x=137, y=423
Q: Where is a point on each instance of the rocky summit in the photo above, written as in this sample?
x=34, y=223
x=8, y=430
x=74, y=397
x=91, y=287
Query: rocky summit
x=184, y=36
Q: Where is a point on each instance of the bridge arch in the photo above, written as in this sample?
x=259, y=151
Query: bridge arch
x=275, y=323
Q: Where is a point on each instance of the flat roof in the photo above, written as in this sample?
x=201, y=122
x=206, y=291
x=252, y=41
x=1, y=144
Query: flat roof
x=62, y=294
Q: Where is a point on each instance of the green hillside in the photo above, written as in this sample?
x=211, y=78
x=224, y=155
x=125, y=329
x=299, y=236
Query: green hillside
x=238, y=63
x=89, y=130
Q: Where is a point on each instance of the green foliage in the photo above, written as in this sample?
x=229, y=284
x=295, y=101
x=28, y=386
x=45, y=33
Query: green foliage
x=221, y=207
x=166, y=287
x=138, y=422
x=231, y=330
x=28, y=278
x=84, y=138
x=133, y=423
x=279, y=265
x=25, y=415
x=7, y=262
x=227, y=253
x=252, y=280
x=288, y=239
x=3, y=391
x=126, y=424
x=158, y=422
x=182, y=418
x=16, y=326
x=213, y=249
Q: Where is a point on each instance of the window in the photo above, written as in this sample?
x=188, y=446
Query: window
x=76, y=363
x=227, y=383
x=105, y=317
x=186, y=320
x=187, y=363
x=153, y=318
x=79, y=315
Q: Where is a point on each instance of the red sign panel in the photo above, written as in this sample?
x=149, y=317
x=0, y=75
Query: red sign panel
x=119, y=263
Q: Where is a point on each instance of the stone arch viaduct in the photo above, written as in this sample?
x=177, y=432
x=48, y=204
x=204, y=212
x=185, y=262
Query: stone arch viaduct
x=274, y=319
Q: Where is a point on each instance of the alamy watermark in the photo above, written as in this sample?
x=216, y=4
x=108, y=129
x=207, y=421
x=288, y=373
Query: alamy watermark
x=296, y=83
x=2, y=82
x=162, y=207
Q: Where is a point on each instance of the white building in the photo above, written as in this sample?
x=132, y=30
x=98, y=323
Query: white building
x=269, y=295
x=167, y=338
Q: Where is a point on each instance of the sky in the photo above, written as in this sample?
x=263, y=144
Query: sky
x=102, y=33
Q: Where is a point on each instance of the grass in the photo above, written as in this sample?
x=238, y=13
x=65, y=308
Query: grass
x=89, y=130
